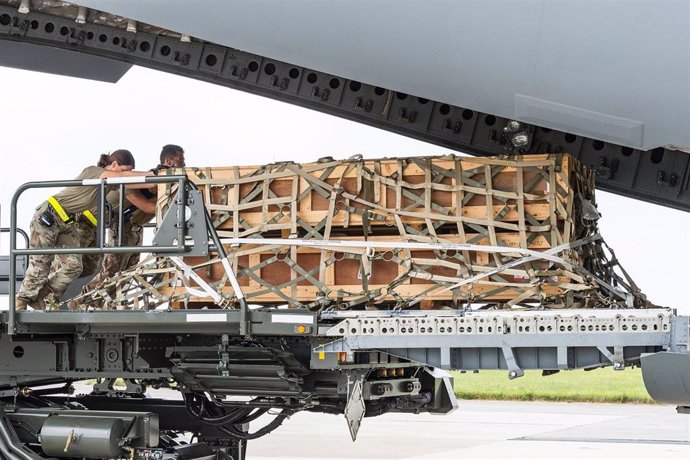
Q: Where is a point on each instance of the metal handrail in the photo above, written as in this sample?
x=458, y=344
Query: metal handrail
x=26, y=244
x=20, y=231
x=100, y=227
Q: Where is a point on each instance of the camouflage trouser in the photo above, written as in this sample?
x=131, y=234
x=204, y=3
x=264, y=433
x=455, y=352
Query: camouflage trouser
x=132, y=235
x=39, y=276
x=87, y=239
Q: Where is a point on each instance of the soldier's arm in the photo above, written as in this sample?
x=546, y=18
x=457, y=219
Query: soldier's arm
x=148, y=205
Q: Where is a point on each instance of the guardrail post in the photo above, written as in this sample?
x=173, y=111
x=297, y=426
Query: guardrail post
x=11, y=328
x=100, y=225
x=181, y=214
x=120, y=220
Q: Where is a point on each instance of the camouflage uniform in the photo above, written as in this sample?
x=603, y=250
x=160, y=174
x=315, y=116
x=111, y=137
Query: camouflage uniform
x=86, y=233
x=41, y=284
x=132, y=235
x=87, y=239
x=38, y=274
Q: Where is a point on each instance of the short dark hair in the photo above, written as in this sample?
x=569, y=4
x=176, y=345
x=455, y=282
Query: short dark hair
x=170, y=151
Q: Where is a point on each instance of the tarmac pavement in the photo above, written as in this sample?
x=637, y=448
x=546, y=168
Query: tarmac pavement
x=488, y=430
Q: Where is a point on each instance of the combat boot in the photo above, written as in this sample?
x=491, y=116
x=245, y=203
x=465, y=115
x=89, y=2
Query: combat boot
x=40, y=302
x=75, y=305
x=50, y=302
x=20, y=304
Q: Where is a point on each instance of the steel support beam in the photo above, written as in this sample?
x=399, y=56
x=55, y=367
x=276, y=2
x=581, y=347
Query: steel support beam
x=546, y=340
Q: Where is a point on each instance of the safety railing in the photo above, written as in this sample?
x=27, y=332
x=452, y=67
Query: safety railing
x=24, y=235
x=101, y=226
x=5, y=279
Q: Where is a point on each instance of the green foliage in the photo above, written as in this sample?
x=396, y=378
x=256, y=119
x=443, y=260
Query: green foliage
x=599, y=385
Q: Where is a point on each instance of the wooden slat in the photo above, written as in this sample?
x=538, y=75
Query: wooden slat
x=539, y=211
x=307, y=294
x=483, y=201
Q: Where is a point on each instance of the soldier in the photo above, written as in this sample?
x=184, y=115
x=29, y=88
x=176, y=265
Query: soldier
x=58, y=222
x=139, y=209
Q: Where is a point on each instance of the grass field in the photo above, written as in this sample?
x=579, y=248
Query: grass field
x=599, y=385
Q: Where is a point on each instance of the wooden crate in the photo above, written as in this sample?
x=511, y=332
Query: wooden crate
x=531, y=202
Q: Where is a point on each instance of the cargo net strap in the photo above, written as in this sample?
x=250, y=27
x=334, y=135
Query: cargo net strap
x=404, y=233
x=160, y=281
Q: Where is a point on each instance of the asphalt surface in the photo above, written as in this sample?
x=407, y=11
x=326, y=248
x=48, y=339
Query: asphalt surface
x=488, y=430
